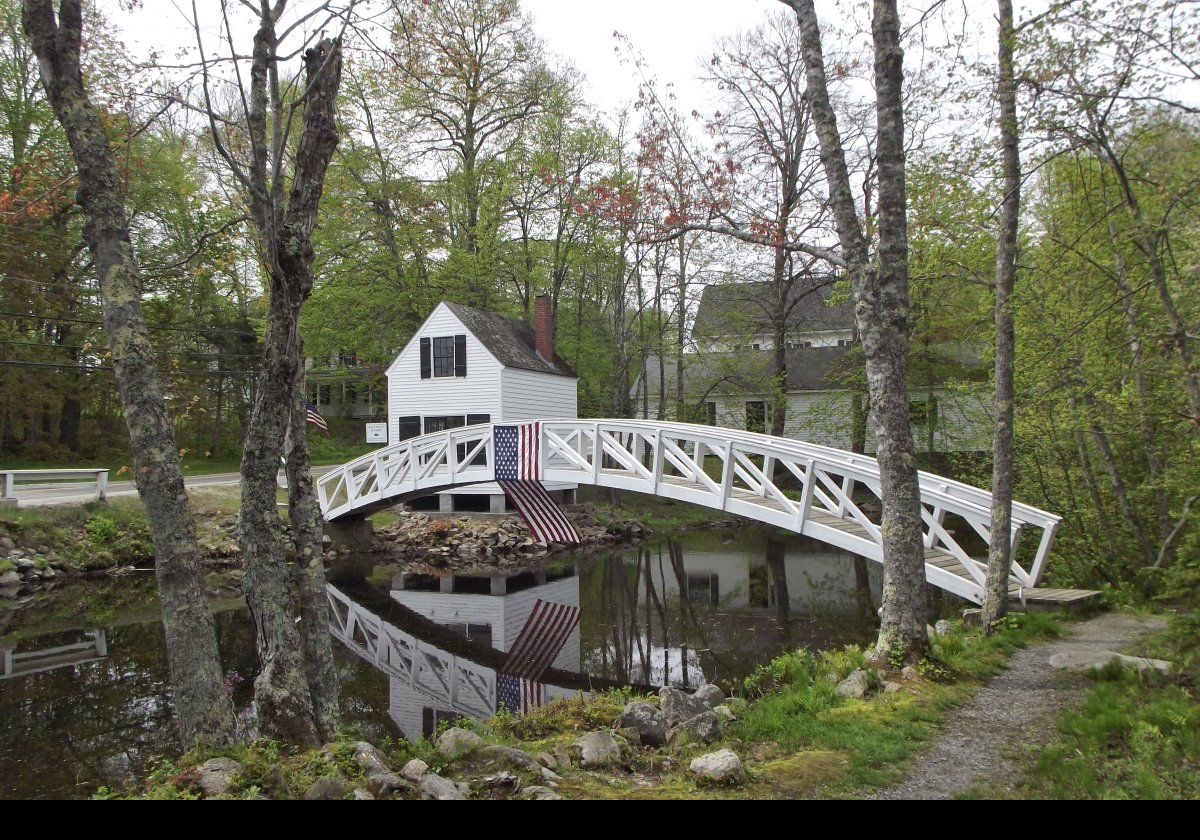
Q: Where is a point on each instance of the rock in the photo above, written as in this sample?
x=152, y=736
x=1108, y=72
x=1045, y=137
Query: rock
x=890, y=687
x=596, y=749
x=434, y=786
x=9, y=579
x=724, y=713
x=550, y=777
x=363, y=793
x=414, y=771
x=972, y=618
x=502, y=785
x=737, y=705
x=704, y=728
x=855, y=686
x=456, y=742
x=677, y=706
x=722, y=767
x=631, y=735
x=910, y=672
x=327, y=787
x=7, y=544
x=375, y=768
x=546, y=760
x=275, y=782
x=49, y=572
x=539, y=792
x=1084, y=660
x=215, y=776
x=943, y=628
x=710, y=694
x=24, y=564
x=512, y=757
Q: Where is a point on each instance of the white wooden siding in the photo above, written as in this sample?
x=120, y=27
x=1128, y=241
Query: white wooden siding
x=529, y=395
x=476, y=393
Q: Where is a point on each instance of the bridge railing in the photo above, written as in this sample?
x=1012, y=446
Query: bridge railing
x=796, y=485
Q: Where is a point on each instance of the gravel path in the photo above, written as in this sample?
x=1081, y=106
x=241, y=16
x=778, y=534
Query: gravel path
x=1019, y=706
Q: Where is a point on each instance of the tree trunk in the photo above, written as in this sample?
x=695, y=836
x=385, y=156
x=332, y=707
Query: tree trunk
x=203, y=710
x=283, y=694
x=995, y=594
x=304, y=512
x=881, y=310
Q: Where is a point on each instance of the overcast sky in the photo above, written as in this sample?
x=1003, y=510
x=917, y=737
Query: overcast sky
x=672, y=35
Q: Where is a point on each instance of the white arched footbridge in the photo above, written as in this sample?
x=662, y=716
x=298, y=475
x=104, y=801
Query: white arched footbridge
x=823, y=493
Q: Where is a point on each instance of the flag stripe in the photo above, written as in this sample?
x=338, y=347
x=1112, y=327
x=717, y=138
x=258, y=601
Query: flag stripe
x=545, y=519
x=542, y=637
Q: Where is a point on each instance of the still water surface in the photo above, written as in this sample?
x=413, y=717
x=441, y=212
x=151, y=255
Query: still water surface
x=701, y=608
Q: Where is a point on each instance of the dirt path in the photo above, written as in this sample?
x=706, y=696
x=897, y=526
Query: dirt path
x=1019, y=706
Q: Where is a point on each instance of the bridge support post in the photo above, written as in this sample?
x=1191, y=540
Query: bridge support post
x=355, y=533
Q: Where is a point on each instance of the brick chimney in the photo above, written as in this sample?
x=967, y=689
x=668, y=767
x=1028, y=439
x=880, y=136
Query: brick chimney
x=543, y=329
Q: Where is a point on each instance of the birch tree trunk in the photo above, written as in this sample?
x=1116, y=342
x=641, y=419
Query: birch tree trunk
x=203, y=711
x=995, y=594
x=881, y=307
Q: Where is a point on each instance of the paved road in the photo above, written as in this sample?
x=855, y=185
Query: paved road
x=64, y=494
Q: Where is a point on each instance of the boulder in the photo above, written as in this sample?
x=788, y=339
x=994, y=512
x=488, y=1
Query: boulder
x=724, y=714
x=737, y=705
x=7, y=544
x=1084, y=660
x=24, y=564
x=9, y=579
x=972, y=618
x=677, y=706
x=375, y=768
x=649, y=722
x=704, y=728
x=596, y=749
x=363, y=793
x=890, y=687
x=943, y=627
x=710, y=694
x=215, y=776
x=502, y=785
x=457, y=742
x=548, y=761
x=855, y=686
x=414, y=771
x=539, y=792
x=511, y=757
x=435, y=787
x=722, y=767
x=327, y=787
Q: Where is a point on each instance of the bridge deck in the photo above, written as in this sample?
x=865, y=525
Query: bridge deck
x=802, y=487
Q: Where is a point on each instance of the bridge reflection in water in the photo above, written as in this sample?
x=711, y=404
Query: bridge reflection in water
x=648, y=616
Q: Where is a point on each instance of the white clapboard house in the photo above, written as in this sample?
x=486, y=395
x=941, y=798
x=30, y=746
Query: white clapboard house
x=465, y=366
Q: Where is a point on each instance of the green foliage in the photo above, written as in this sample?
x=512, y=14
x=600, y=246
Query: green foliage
x=1130, y=740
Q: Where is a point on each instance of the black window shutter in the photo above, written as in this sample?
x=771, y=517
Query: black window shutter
x=476, y=419
x=460, y=355
x=426, y=359
x=407, y=427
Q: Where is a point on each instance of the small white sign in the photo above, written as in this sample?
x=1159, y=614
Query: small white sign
x=377, y=433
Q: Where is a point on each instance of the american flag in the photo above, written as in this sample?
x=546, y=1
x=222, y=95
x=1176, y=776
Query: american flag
x=518, y=470
x=517, y=452
x=316, y=419
x=542, y=637
x=517, y=694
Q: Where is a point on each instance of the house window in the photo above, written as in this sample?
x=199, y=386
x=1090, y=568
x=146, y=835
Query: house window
x=443, y=356
x=407, y=427
x=703, y=589
x=923, y=412
x=351, y=393
x=845, y=342
x=710, y=413
x=442, y=422
x=756, y=416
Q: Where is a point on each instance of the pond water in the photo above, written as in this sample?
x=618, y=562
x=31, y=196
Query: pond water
x=84, y=699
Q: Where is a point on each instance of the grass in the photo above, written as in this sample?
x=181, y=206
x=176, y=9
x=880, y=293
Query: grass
x=322, y=450
x=657, y=514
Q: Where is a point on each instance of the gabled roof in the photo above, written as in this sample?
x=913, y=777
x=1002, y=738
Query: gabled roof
x=744, y=309
x=510, y=340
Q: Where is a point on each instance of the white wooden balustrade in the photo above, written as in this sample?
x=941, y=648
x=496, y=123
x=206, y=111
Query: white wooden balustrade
x=824, y=493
